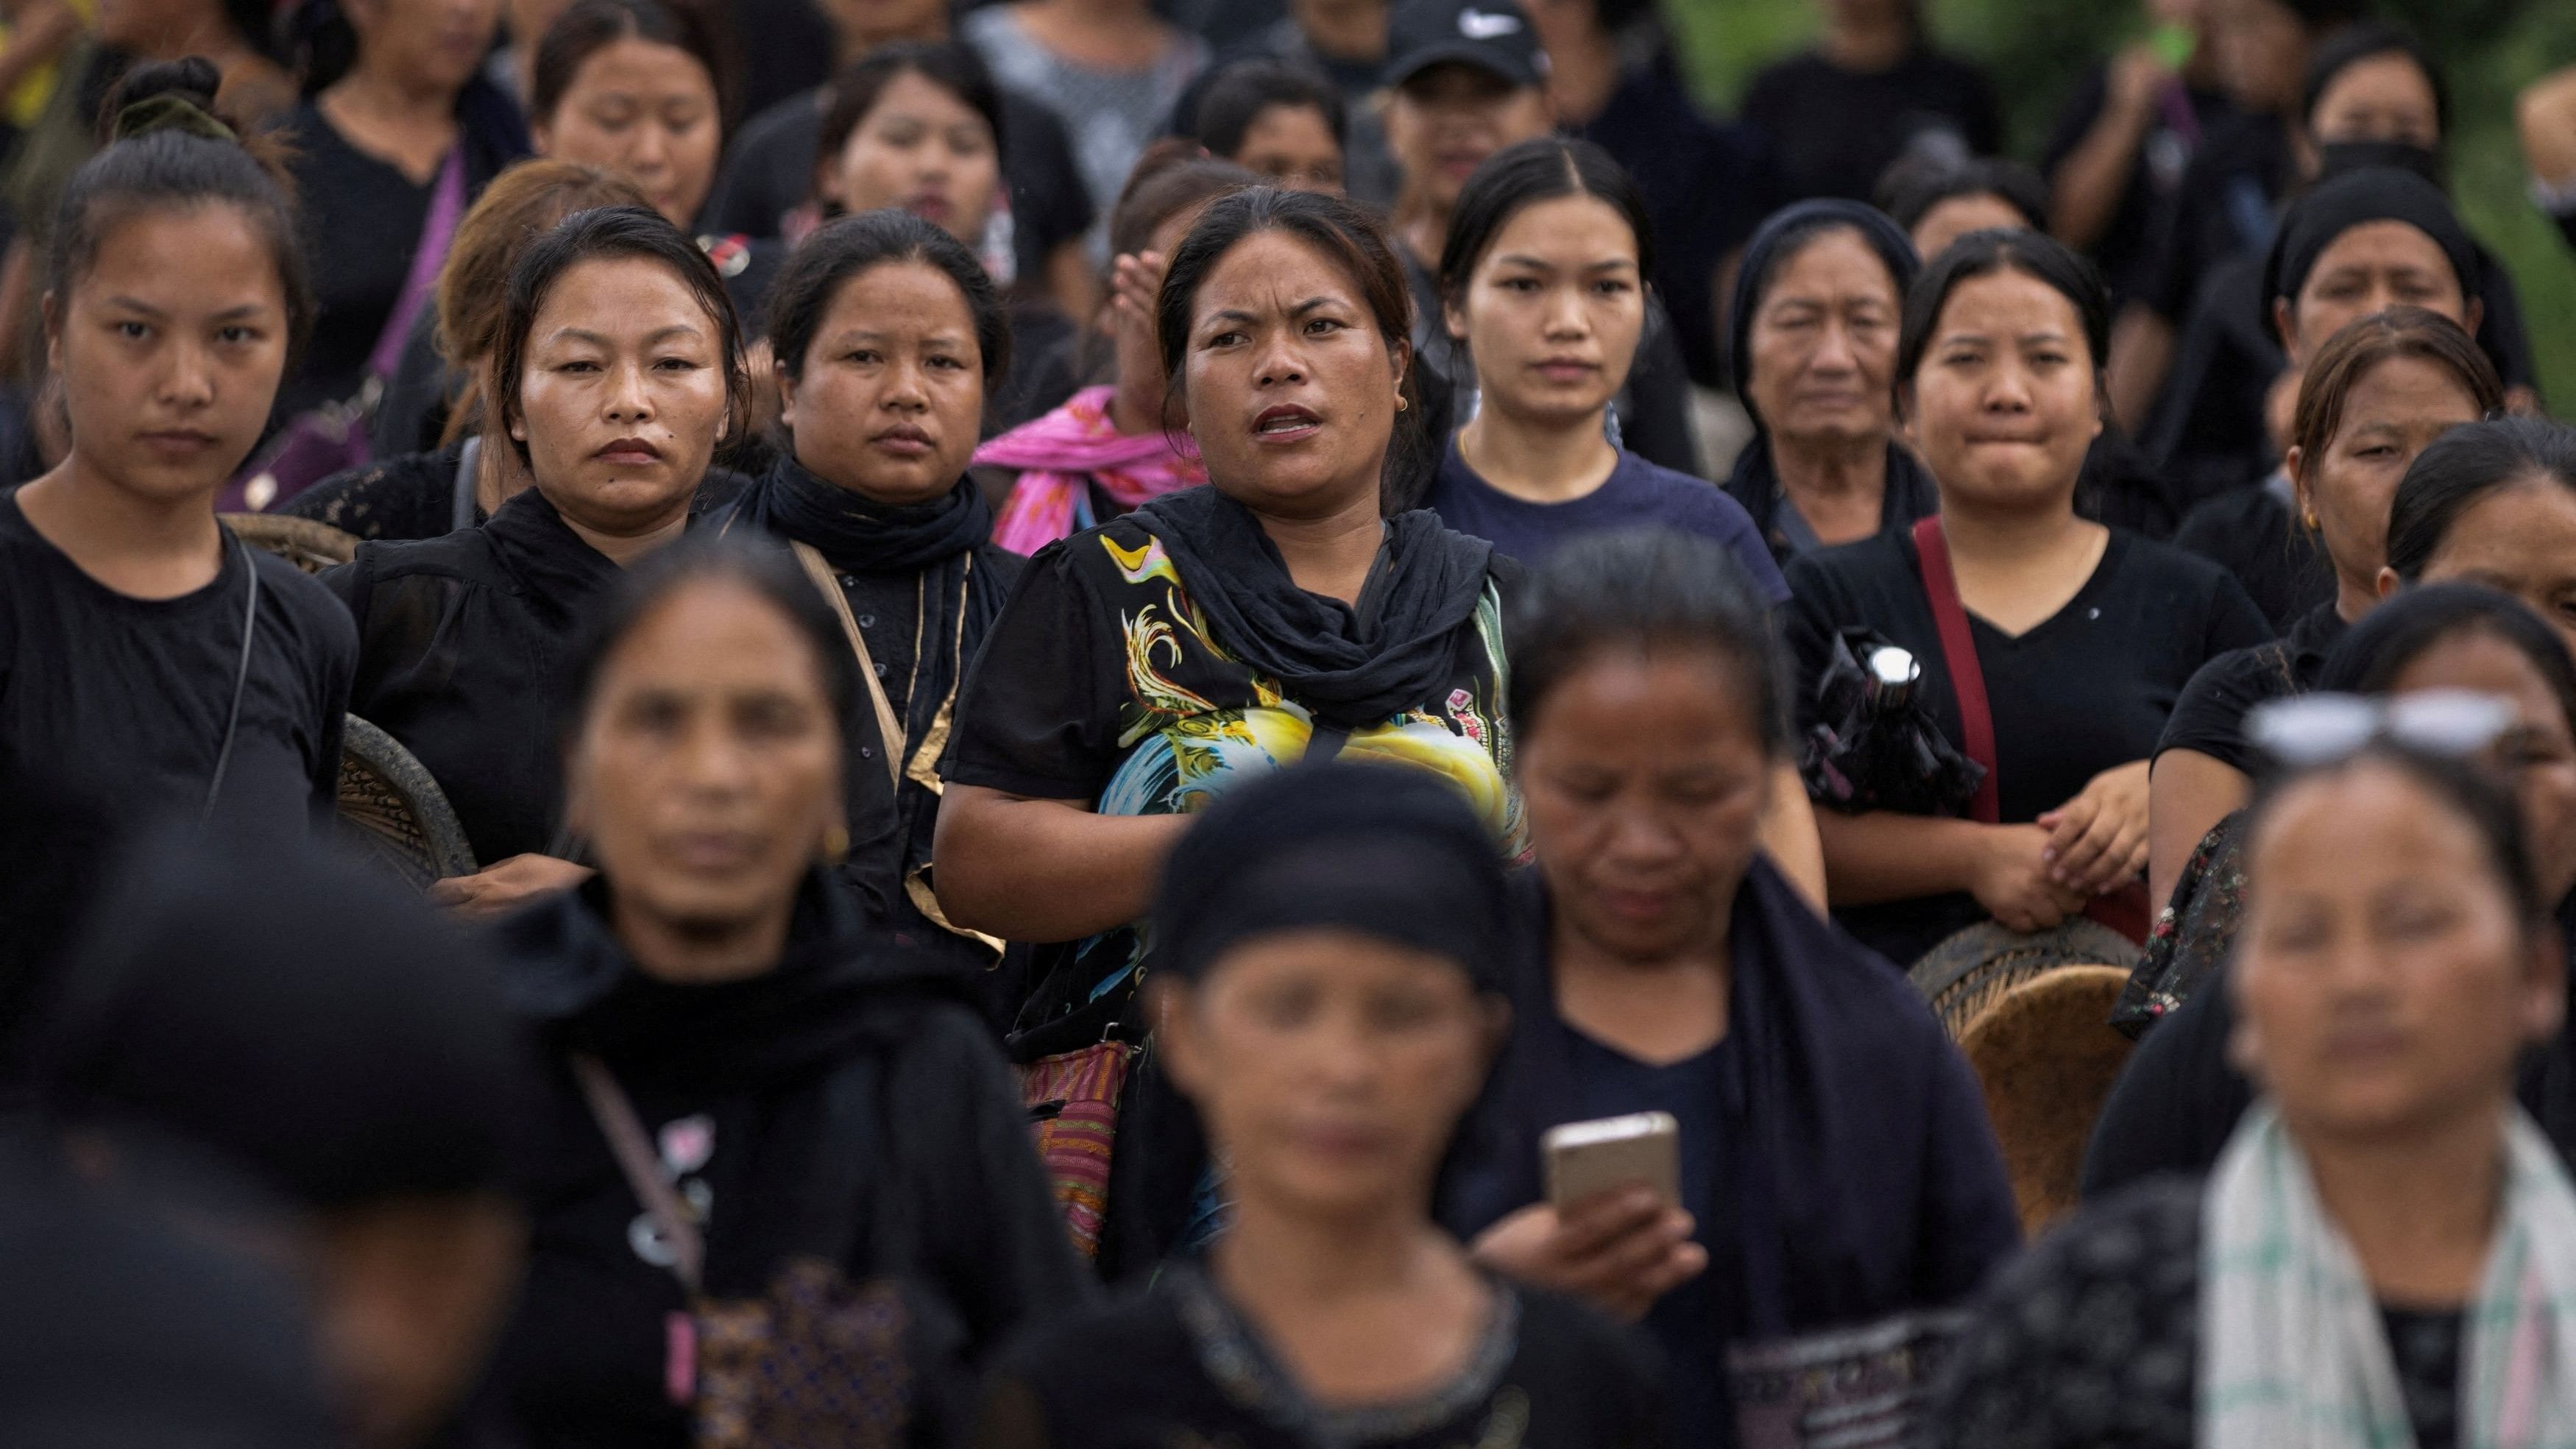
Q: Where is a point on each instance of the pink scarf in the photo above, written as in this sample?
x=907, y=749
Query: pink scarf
x=1077, y=443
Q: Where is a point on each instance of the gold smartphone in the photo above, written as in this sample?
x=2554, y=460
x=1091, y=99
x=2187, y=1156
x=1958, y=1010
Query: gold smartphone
x=1584, y=1159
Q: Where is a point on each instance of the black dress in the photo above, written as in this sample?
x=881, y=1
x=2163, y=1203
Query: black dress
x=1176, y=1364
x=847, y=1106
x=2085, y=690
x=462, y=646
x=2092, y=1341
x=112, y=714
x=411, y=496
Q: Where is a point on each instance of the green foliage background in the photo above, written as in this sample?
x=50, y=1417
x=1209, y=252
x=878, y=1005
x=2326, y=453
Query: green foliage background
x=2037, y=50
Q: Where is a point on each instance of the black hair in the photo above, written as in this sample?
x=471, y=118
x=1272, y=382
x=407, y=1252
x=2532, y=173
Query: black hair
x=2370, y=655
x=171, y=168
x=1347, y=236
x=1542, y=169
x=608, y=232
x=1921, y=181
x=1985, y=253
x=802, y=294
x=1635, y=590
x=951, y=65
x=2324, y=17
x=591, y=26
x=2479, y=800
x=2460, y=469
x=754, y=562
x=1237, y=95
x=2368, y=40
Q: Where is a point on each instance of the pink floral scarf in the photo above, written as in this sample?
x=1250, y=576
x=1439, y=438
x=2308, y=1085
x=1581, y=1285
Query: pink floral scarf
x=1062, y=451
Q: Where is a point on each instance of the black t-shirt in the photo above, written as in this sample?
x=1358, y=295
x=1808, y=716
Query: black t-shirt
x=2249, y=532
x=1176, y=1364
x=463, y=644
x=2225, y=206
x=1637, y=494
x=1833, y=131
x=2128, y=1271
x=769, y=173
x=2085, y=690
x=362, y=221
x=112, y=713
x=2127, y=250
x=2210, y=716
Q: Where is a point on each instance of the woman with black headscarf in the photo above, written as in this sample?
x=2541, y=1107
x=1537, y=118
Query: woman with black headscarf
x=1328, y=999
x=1836, y=1168
x=786, y=1186
x=888, y=334
x=1813, y=347
x=2361, y=242
x=1219, y=633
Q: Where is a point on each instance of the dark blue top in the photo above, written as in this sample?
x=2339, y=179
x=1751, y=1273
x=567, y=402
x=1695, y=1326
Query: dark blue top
x=1637, y=494
x=1834, y=1146
x=1610, y=1083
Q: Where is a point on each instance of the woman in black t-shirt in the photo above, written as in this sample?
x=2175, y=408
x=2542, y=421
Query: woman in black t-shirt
x=2377, y=393
x=1329, y=993
x=2082, y=635
x=151, y=664
x=888, y=334
x=370, y=162
x=618, y=372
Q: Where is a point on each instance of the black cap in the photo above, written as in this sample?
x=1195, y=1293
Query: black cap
x=1491, y=35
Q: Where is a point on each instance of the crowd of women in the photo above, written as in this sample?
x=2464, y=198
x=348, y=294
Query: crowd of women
x=1096, y=677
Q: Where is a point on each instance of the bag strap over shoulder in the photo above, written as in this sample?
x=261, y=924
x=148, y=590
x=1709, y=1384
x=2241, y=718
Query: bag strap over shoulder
x=429, y=254
x=890, y=731
x=642, y=1168
x=1959, y=656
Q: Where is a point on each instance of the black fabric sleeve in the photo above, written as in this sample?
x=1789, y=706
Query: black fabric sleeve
x=2209, y=716
x=1039, y=712
x=990, y=1232
x=2176, y=1101
x=2076, y=118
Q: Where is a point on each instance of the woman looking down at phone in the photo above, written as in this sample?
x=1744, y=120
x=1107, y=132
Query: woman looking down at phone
x=1326, y=998
x=1836, y=1167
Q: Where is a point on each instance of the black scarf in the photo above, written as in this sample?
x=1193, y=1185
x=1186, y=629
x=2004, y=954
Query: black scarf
x=1909, y=493
x=959, y=602
x=1349, y=667
x=568, y=975
x=860, y=535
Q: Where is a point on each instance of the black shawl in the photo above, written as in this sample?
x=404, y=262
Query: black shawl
x=1861, y=1173
x=961, y=592
x=1909, y=493
x=1350, y=667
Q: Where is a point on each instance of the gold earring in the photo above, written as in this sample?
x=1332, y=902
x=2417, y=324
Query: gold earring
x=1401, y=404
x=836, y=844
x=2308, y=520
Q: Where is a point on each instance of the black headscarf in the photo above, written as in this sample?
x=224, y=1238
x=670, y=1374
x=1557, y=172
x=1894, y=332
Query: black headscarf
x=1755, y=482
x=1390, y=853
x=2357, y=198
x=309, y=1019
x=1762, y=255
x=1349, y=667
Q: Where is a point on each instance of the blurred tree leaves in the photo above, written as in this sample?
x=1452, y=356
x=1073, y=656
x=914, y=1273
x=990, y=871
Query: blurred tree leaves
x=2037, y=49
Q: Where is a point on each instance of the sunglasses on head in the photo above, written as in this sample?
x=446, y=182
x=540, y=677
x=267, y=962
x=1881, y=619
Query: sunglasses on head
x=2312, y=730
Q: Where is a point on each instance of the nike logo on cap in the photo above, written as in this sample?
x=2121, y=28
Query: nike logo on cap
x=1476, y=24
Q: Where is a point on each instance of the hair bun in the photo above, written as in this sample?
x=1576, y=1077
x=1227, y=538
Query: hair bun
x=166, y=95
